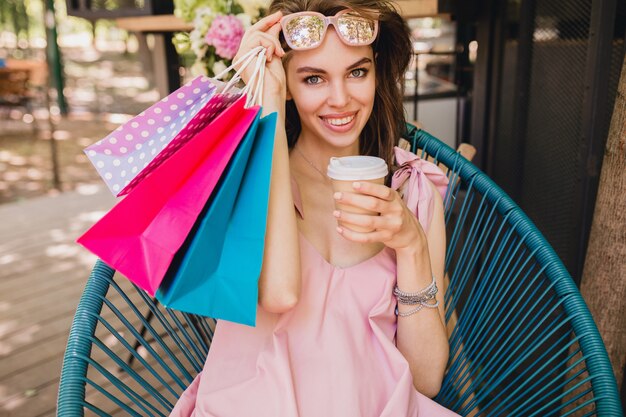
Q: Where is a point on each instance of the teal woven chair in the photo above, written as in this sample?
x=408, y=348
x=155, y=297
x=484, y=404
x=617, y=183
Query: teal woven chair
x=522, y=342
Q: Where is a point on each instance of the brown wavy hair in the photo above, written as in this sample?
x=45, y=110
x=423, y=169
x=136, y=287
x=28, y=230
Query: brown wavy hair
x=392, y=52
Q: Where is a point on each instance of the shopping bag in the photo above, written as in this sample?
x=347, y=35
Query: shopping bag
x=141, y=234
x=132, y=151
x=216, y=273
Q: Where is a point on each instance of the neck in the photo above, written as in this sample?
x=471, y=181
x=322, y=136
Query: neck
x=318, y=153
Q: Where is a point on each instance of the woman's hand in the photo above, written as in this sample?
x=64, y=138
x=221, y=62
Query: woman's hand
x=395, y=226
x=265, y=33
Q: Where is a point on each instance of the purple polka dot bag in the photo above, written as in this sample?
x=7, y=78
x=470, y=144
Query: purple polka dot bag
x=131, y=152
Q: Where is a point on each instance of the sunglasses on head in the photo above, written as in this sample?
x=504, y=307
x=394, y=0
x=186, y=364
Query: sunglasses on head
x=306, y=30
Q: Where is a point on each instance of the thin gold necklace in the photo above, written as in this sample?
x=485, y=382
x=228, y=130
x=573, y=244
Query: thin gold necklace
x=308, y=161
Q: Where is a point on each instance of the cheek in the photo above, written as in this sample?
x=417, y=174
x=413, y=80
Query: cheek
x=305, y=107
x=366, y=93
x=307, y=101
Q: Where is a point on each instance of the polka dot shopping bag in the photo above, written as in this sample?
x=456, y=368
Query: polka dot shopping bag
x=131, y=152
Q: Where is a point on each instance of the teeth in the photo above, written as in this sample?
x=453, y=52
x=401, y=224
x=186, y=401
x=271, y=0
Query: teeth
x=339, y=122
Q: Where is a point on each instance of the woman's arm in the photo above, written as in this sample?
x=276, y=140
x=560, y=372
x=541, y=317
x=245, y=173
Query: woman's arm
x=279, y=283
x=421, y=337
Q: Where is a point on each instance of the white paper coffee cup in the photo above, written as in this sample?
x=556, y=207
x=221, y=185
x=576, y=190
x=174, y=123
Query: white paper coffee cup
x=346, y=170
x=357, y=168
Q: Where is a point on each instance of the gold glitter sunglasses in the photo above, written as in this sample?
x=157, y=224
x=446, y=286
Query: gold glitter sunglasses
x=306, y=30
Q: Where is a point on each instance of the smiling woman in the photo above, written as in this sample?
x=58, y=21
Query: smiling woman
x=333, y=90
x=350, y=321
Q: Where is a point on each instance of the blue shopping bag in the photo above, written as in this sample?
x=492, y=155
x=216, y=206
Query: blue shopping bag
x=216, y=272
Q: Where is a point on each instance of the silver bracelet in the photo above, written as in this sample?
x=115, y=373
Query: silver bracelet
x=419, y=297
x=416, y=309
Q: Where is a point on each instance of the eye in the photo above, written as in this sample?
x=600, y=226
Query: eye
x=358, y=73
x=313, y=79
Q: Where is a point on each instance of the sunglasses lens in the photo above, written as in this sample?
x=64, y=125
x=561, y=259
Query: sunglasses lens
x=356, y=30
x=304, y=31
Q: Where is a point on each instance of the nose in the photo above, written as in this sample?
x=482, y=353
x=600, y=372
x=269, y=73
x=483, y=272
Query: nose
x=339, y=95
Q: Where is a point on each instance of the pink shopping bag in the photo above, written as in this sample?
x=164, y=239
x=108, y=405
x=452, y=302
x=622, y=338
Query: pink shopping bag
x=141, y=234
x=133, y=150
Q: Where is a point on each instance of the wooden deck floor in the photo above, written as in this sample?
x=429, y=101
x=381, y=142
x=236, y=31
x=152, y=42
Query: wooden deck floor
x=42, y=275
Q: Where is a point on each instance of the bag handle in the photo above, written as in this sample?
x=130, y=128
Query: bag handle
x=254, y=86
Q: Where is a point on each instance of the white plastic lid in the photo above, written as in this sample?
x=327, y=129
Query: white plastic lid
x=354, y=168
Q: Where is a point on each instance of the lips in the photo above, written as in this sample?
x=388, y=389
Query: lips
x=339, y=122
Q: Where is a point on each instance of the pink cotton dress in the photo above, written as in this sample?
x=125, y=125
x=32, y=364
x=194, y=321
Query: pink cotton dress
x=334, y=353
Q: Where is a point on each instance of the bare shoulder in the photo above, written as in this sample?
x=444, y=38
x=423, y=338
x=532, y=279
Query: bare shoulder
x=438, y=200
x=437, y=221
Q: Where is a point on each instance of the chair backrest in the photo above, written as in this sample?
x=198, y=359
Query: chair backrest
x=126, y=354
x=523, y=342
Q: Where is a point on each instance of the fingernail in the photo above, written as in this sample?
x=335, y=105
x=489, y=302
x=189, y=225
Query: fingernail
x=337, y=196
x=356, y=185
x=336, y=213
x=339, y=230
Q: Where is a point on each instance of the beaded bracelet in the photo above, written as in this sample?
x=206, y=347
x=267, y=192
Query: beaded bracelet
x=419, y=297
x=416, y=309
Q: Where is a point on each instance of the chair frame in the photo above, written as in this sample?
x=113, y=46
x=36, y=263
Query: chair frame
x=601, y=378
x=458, y=383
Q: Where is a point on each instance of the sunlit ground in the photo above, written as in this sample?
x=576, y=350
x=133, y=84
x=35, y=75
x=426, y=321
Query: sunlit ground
x=42, y=273
x=42, y=269
x=103, y=88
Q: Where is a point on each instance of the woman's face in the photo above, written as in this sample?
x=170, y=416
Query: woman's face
x=333, y=88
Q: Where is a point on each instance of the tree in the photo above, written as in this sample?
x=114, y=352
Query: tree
x=603, y=284
x=13, y=14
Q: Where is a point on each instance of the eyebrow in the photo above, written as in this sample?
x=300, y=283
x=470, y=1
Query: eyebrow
x=321, y=71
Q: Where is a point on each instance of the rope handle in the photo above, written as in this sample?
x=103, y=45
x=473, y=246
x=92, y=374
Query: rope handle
x=254, y=87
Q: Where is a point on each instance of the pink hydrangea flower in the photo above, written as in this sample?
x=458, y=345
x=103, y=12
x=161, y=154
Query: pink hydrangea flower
x=225, y=35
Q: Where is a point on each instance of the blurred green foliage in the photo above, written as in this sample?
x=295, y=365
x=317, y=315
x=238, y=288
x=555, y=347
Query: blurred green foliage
x=14, y=16
x=116, y=4
x=25, y=19
x=186, y=9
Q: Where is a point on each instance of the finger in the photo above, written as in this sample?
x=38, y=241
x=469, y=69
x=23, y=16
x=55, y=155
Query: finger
x=369, y=221
x=366, y=221
x=362, y=201
x=377, y=190
x=273, y=38
x=263, y=39
x=271, y=44
x=266, y=41
x=274, y=31
x=269, y=52
x=364, y=237
x=267, y=22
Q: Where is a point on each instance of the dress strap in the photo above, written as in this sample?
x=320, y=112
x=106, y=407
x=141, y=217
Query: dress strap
x=297, y=198
x=420, y=173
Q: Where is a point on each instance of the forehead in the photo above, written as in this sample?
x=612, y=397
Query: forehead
x=332, y=54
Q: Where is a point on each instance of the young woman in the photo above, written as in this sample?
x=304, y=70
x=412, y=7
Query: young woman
x=348, y=323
